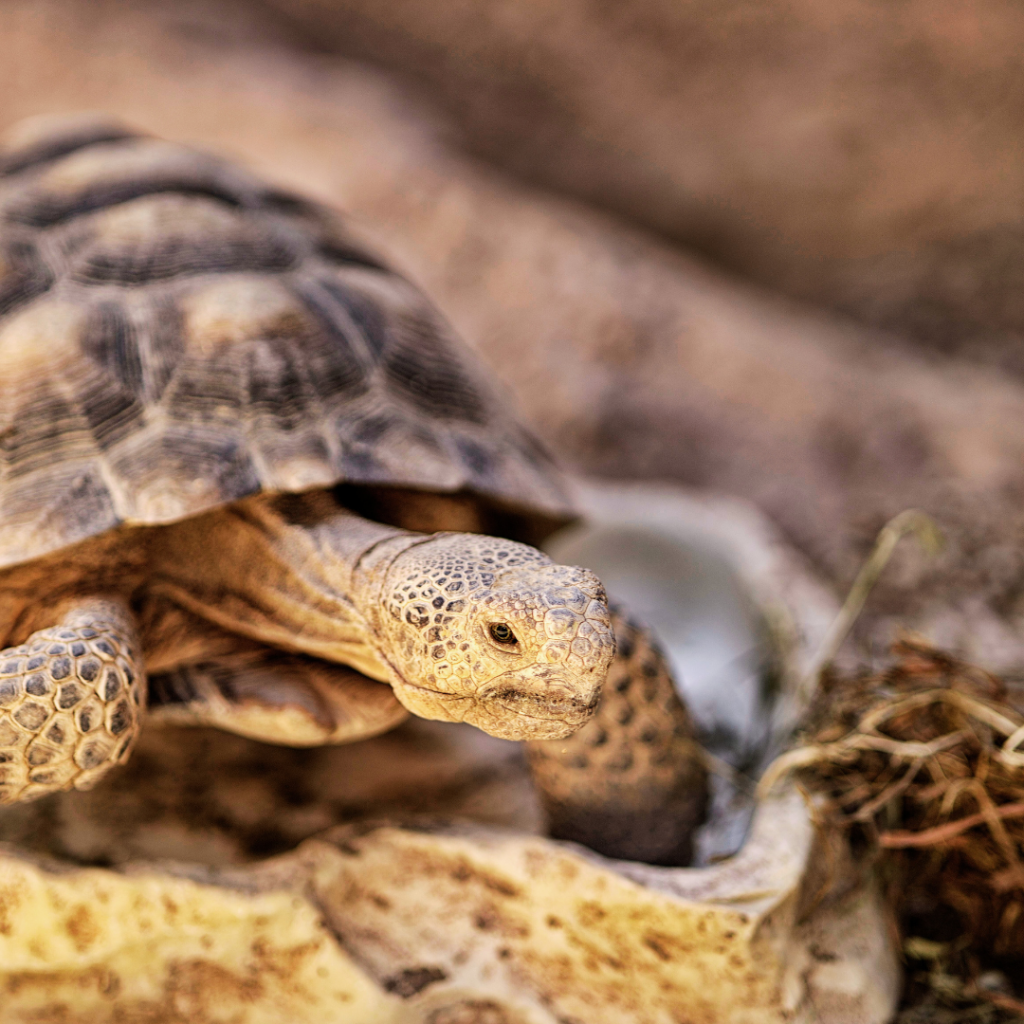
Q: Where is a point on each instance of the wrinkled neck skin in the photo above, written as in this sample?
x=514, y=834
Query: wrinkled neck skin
x=464, y=627
x=279, y=570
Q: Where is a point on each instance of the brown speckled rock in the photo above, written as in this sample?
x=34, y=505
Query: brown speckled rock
x=447, y=926
x=93, y=946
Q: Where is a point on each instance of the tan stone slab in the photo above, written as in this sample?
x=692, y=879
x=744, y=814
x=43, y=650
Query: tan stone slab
x=576, y=938
x=436, y=924
x=92, y=946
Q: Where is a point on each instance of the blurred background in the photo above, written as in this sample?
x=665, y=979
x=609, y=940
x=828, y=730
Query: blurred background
x=774, y=250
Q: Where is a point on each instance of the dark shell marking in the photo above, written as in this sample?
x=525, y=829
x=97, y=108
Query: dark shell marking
x=175, y=335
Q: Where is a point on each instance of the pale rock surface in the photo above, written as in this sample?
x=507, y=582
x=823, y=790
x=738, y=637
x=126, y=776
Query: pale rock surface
x=441, y=925
x=92, y=946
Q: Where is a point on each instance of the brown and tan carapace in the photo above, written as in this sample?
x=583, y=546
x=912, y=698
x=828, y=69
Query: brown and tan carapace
x=249, y=477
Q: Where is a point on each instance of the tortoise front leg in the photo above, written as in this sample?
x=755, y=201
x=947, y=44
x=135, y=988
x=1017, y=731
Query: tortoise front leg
x=631, y=783
x=70, y=701
x=275, y=697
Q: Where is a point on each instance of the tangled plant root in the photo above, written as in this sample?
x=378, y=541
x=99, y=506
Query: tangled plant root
x=923, y=765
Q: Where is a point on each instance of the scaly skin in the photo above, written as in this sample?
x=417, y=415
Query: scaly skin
x=464, y=628
x=440, y=601
x=70, y=701
x=631, y=783
x=410, y=609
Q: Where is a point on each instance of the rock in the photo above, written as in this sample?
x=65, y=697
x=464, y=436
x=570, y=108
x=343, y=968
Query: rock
x=567, y=937
x=447, y=925
x=90, y=945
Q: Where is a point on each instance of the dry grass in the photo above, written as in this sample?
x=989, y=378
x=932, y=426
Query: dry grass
x=923, y=765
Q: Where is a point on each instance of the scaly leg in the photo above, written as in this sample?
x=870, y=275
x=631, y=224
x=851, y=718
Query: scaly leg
x=276, y=697
x=631, y=783
x=71, y=698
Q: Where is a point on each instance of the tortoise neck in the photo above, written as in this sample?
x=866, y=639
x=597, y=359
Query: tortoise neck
x=297, y=572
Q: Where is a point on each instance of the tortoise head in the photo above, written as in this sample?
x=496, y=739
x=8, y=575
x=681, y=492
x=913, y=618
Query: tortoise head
x=491, y=632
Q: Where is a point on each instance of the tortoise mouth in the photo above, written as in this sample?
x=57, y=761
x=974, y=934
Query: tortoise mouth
x=573, y=710
x=496, y=718
x=430, y=692
x=541, y=703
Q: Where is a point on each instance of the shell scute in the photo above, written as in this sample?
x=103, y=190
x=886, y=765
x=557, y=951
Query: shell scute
x=33, y=145
x=23, y=274
x=159, y=237
x=176, y=335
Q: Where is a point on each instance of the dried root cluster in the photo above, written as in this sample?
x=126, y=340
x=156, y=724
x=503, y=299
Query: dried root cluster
x=924, y=764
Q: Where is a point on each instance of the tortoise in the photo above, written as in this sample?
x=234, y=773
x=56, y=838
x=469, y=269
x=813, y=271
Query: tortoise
x=249, y=478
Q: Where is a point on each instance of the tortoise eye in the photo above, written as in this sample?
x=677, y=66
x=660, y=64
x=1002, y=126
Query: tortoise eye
x=502, y=633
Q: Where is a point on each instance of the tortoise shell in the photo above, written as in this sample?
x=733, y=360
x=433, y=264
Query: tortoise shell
x=176, y=334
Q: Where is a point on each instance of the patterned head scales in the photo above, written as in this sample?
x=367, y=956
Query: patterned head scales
x=493, y=633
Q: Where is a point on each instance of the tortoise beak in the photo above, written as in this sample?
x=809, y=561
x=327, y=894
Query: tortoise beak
x=543, y=702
